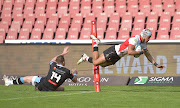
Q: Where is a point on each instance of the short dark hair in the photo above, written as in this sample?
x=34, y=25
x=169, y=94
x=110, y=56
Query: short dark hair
x=60, y=59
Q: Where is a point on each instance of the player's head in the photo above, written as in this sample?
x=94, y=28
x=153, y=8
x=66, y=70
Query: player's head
x=145, y=35
x=60, y=60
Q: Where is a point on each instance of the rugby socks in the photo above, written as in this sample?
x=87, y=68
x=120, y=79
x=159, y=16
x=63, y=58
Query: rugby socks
x=90, y=60
x=95, y=46
x=95, y=49
x=18, y=81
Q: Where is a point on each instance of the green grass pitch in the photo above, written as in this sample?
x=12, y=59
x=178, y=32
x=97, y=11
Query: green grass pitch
x=24, y=96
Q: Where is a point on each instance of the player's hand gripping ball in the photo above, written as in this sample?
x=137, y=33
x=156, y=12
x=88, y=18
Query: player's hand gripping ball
x=137, y=48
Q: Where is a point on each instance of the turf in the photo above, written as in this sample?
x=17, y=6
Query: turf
x=24, y=96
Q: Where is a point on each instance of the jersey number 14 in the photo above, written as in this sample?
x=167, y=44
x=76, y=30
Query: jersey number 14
x=56, y=76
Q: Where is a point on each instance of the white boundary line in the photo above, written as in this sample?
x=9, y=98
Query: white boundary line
x=45, y=96
x=79, y=41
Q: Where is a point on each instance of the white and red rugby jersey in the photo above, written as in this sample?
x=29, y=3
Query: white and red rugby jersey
x=122, y=49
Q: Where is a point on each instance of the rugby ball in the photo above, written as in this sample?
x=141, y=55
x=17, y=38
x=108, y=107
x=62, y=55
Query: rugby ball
x=137, y=48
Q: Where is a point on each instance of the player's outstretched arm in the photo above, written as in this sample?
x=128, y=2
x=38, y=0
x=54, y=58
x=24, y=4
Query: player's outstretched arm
x=65, y=51
x=151, y=59
x=74, y=72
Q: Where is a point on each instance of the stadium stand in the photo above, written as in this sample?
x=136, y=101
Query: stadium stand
x=74, y=7
x=152, y=22
x=120, y=7
x=73, y=34
x=60, y=34
x=24, y=34
x=12, y=34
x=97, y=7
x=77, y=21
x=109, y=7
x=144, y=6
x=88, y=19
x=70, y=19
x=85, y=34
x=132, y=7
x=114, y=21
x=64, y=22
x=127, y=21
x=62, y=7
x=36, y=34
x=124, y=34
x=85, y=7
x=139, y=23
x=111, y=34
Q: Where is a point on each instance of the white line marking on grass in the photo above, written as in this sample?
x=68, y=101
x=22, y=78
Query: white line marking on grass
x=45, y=96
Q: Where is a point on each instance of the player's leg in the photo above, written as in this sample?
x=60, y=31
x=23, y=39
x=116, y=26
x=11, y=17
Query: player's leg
x=84, y=58
x=9, y=81
x=93, y=59
x=60, y=88
x=99, y=60
x=32, y=80
x=106, y=64
x=27, y=79
x=21, y=80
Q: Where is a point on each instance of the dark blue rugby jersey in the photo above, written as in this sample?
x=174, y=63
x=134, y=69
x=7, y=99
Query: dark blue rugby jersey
x=56, y=76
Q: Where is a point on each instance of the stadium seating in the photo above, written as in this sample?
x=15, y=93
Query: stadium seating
x=12, y=34
x=151, y=23
x=85, y=34
x=36, y=34
x=29, y=7
x=109, y=7
x=24, y=34
x=74, y=7
x=48, y=34
x=77, y=21
x=127, y=21
x=165, y=20
x=2, y=34
x=175, y=33
x=62, y=7
x=85, y=7
x=120, y=7
x=114, y=21
x=163, y=34
x=145, y=7
x=18, y=8
x=97, y=7
x=102, y=21
x=100, y=33
x=133, y=7
x=87, y=23
x=111, y=34
x=60, y=34
x=71, y=19
x=124, y=34
x=139, y=24
x=73, y=34
x=64, y=22
x=40, y=7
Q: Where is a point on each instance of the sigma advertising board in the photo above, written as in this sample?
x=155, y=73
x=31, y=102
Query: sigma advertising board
x=25, y=60
x=154, y=81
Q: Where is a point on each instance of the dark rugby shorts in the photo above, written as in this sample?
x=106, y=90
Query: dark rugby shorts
x=111, y=55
